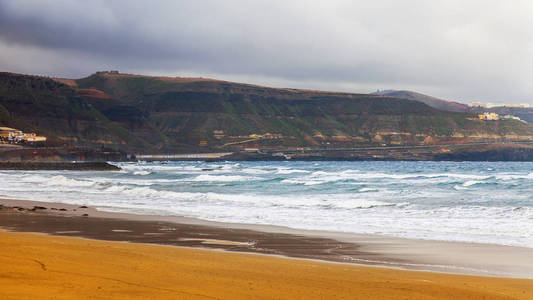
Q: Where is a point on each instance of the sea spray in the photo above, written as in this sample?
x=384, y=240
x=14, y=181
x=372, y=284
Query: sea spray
x=486, y=202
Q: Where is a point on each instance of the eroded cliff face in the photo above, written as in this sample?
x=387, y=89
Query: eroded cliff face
x=161, y=115
x=208, y=114
x=56, y=110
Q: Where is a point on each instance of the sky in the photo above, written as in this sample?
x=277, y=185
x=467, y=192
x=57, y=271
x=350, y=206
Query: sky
x=465, y=50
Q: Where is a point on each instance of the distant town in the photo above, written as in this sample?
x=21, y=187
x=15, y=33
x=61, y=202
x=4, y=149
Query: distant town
x=14, y=136
x=490, y=116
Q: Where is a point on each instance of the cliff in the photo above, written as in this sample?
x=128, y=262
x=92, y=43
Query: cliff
x=146, y=114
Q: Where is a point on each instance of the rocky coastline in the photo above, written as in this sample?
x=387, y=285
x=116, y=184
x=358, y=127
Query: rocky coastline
x=75, y=166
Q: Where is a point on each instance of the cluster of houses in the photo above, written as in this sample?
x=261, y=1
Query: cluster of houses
x=15, y=136
x=494, y=116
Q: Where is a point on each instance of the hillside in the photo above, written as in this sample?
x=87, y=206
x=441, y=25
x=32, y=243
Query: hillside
x=56, y=110
x=524, y=113
x=431, y=101
x=145, y=114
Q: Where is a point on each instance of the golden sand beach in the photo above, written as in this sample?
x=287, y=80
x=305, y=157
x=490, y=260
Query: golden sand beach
x=38, y=266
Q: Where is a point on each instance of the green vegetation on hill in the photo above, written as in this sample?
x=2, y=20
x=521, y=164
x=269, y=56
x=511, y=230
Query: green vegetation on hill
x=41, y=104
x=431, y=101
x=158, y=114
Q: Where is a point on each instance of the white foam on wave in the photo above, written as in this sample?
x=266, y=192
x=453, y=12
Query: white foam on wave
x=153, y=167
x=222, y=178
x=373, y=200
x=328, y=201
x=283, y=171
x=506, y=177
x=459, y=187
x=472, y=182
x=34, y=178
x=152, y=198
x=147, y=192
x=355, y=174
x=255, y=171
x=64, y=181
x=362, y=203
x=142, y=173
x=300, y=181
x=115, y=189
x=362, y=190
x=322, y=177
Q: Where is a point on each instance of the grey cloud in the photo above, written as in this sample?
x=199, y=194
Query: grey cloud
x=464, y=50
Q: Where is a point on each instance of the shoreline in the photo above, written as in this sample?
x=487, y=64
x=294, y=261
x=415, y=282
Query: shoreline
x=57, y=165
x=358, y=249
x=39, y=266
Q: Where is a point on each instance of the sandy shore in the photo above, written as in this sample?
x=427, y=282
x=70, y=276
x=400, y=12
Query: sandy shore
x=64, y=266
x=36, y=266
x=449, y=257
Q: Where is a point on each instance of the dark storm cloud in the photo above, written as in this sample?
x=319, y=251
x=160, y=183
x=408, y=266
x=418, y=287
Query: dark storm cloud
x=466, y=50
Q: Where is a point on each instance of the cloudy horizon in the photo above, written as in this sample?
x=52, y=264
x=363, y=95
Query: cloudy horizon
x=458, y=50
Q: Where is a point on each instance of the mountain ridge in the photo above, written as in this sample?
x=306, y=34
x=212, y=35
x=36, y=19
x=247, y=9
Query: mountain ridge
x=429, y=100
x=151, y=114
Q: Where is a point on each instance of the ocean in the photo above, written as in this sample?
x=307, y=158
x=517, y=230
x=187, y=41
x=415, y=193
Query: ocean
x=484, y=202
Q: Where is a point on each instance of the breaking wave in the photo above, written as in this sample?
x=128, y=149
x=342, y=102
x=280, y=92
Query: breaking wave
x=478, y=202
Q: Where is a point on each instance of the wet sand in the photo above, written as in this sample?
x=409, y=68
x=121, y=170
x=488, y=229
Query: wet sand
x=69, y=220
x=449, y=257
x=37, y=266
x=60, y=265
